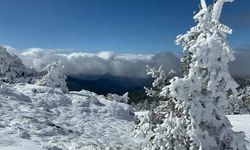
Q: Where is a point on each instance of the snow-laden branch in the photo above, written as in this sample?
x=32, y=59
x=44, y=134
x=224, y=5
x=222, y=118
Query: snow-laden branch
x=202, y=11
x=217, y=8
x=203, y=4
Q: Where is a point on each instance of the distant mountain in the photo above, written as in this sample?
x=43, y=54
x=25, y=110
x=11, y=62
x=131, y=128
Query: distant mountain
x=107, y=84
x=119, y=85
x=243, y=81
x=12, y=69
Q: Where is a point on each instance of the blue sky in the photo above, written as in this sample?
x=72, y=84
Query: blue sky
x=123, y=26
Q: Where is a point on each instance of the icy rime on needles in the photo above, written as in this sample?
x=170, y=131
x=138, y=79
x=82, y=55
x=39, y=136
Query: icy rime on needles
x=198, y=121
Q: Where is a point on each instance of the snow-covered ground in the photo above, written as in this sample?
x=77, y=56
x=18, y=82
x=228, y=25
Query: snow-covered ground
x=241, y=123
x=36, y=117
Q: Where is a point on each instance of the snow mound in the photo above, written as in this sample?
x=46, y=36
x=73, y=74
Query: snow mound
x=38, y=117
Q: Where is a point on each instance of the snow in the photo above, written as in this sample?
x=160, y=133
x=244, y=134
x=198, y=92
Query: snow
x=9, y=141
x=45, y=118
x=36, y=117
x=241, y=123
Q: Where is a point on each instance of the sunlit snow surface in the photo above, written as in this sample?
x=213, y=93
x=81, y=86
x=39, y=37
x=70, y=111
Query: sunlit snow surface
x=241, y=123
x=37, y=118
x=33, y=117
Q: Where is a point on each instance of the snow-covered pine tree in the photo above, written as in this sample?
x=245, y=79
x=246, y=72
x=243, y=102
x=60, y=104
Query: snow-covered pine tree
x=198, y=120
x=244, y=96
x=161, y=79
x=147, y=122
x=54, y=76
x=12, y=69
x=241, y=103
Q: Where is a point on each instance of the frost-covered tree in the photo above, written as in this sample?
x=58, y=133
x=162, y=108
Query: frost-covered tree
x=146, y=123
x=54, y=76
x=244, y=96
x=12, y=69
x=198, y=119
x=161, y=79
x=241, y=103
x=235, y=105
x=185, y=61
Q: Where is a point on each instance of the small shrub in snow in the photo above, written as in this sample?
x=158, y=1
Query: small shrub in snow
x=54, y=76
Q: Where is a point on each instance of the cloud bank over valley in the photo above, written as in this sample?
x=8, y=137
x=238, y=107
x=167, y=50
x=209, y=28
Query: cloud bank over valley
x=79, y=64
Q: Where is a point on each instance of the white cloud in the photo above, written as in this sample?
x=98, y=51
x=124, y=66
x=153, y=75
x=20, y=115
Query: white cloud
x=108, y=62
x=105, y=62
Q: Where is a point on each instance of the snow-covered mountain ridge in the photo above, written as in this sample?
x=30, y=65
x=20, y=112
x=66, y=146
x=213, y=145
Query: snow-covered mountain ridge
x=12, y=69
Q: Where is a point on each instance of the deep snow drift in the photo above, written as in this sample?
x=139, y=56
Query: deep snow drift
x=36, y=117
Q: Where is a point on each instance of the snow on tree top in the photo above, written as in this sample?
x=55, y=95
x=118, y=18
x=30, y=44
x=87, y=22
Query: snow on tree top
x=217, y=9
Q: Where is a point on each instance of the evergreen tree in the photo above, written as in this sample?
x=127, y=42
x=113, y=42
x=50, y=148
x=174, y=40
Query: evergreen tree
x=146, y=123
x=244, y=96
x=197, y=120
x=241, y=103
x=161, y=79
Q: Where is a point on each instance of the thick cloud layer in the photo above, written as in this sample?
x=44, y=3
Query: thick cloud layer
x=241, y=65
x=106, y=62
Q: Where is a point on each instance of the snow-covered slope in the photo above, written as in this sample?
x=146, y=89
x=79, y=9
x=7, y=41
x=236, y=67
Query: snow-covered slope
x=12, y=69
x=36, y=117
